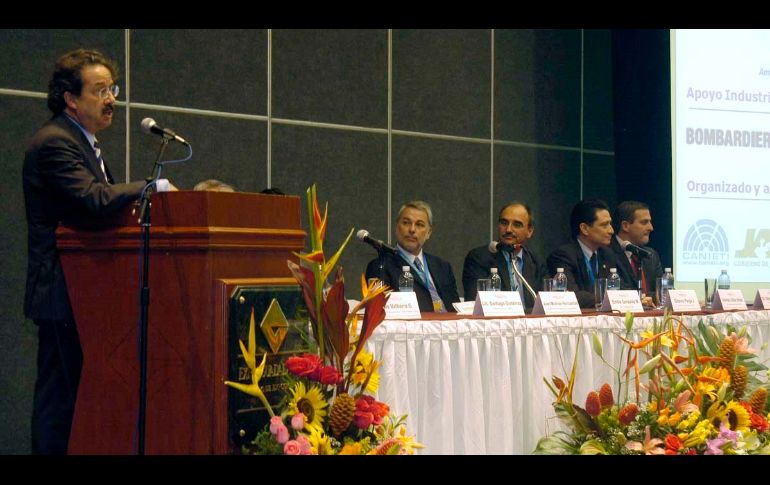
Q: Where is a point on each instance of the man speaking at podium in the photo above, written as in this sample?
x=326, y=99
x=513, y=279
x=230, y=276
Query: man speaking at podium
x=515, y=227
x=65, y=180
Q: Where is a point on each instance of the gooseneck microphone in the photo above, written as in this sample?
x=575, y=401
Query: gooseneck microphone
x=639, y=251
x=495, y=246
x=151, y=127
x=363, y=236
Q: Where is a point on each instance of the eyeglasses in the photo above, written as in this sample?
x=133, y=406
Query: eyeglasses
x=114, y=90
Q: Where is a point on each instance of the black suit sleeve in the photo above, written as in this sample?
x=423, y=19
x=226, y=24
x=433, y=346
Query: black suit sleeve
x=473, y=269
x=61, y=165
x=448, y=290
x=561, y=258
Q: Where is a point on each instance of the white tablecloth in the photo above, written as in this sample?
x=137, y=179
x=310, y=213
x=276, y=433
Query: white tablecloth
x=476, y=386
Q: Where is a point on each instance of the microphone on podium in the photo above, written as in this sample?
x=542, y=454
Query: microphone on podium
x=150, y=126
x=363, y=236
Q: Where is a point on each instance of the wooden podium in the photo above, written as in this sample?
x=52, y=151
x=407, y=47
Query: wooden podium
x=197, y=240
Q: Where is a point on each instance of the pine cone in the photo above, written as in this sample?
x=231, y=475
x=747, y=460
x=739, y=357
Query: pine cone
x=628, y=413
x=341, y=414
x=759, y=400
x=605, y=396
x=727, y=352
x=738, y=380
x=382, y=448
x=593, y=404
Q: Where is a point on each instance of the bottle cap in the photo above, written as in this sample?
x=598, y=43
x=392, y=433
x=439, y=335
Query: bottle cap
x=405, y=269
x=613, y=270
x=667, y=270
x=560, y=270
x=493, y=270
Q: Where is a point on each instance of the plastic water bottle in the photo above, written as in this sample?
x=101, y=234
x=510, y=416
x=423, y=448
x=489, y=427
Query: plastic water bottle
x=723, y=282
x=560, y=280
x=495, y=283
x=666, y=283
x=613, y=282
x=406, y=280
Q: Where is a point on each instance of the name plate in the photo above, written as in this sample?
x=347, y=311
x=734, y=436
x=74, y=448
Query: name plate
x=729, y=300
x=762, y=300
x=498, y=303
x=683, y=301
x=622, y=301
x=464, y=307
x=402, y=305
x=556, y=303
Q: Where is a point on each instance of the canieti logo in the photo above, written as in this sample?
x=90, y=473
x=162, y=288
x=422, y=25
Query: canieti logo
x=705, y=243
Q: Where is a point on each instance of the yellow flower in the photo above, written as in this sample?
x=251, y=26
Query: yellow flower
x=364, y=366
x=664, y=339
x=688, y=422
x=319, y=442
x=311, y=403
x=736, y=417
x=351, y=449
x=408, y=444
x=700, y=434
x=652, y=407
x=674, y=419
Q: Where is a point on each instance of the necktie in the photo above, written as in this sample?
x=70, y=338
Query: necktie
x=519, y=286
x=635, y=265
x=593, y=268
x=98, y=151
x=438, y=305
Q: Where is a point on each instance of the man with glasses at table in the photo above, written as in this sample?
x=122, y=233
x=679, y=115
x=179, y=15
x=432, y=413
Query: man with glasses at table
x=515, y=227
x=66, y=181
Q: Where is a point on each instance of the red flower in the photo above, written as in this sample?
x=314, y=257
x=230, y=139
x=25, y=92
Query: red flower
x=593, y=404
x=759, y=422
x=628, y=413
x=673, y=444
x=369, y=411
x=605, y=396
x=328, y=375
x=304, y=366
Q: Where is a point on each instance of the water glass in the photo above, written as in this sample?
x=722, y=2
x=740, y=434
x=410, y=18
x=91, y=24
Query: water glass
x=600, y=288
x=658, y=293
x=548, y=284
x=483, y=284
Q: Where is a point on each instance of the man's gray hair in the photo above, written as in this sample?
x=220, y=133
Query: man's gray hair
x=420, y=206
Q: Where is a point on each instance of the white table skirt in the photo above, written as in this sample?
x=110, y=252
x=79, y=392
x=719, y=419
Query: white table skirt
x=476, y=386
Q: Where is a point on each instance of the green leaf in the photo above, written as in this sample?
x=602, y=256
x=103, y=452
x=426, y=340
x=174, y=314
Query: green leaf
x=592, y=447
x=596, y=343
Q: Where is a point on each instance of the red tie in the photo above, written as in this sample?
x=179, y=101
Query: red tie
x=635, y=267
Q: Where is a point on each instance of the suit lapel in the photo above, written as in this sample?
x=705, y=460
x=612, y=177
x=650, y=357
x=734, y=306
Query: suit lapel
x=585, y=280
x=91, y=161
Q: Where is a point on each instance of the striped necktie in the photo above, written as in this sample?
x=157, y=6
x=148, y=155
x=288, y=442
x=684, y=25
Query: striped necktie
x=438, y=305
x=98, y=151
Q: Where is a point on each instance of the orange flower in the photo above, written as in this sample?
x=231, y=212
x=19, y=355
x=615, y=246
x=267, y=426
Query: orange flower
x=673, y=444
x=628, y=413
x=605, y=396
x=593, y=404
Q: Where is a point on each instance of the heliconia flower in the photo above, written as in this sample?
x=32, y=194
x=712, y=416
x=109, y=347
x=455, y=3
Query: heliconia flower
x=298, y=421
x=558, y=383
x=628, y=413
x=593, y=404
x=605, y=396
x=316, y=257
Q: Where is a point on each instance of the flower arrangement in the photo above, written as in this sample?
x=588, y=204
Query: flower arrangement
x=328, y=408
x=703, y=396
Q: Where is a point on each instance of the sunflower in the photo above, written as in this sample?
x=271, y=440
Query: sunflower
x=365, y=365
x=737, y=418
x=311, y=403
x=319, y=442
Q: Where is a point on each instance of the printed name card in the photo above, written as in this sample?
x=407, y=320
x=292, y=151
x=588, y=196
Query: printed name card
x=762, y=300
x=498, y=303
x=622, y=301
x=683, y=301
x=464, y=307
x=729, y=300
x=556, y=303
x=402, y=305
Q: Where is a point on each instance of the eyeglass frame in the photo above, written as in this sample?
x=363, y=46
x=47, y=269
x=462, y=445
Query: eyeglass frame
x=106, y=91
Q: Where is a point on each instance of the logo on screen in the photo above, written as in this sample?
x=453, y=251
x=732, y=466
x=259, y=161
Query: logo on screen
x=756, y=249
x=706, y=243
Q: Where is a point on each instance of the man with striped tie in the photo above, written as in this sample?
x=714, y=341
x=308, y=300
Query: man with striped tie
x=434, y=281
x=638, y=264
x=66, y=180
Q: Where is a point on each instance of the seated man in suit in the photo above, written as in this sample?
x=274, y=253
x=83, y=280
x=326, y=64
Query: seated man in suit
x=588, y=255
x=515, y=226
x=633, y=224
x=434, y=281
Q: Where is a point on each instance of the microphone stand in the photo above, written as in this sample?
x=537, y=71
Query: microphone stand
x=144, y=292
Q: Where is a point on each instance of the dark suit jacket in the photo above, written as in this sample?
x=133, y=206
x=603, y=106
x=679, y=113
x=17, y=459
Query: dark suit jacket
x=440, y=271
x=63, y=182
x=480, y=260
x=651, y=265
x=570, y=257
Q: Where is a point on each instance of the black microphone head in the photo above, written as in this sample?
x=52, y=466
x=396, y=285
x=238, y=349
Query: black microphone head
x=493, y=247
x=362, y=234
x=147, y=125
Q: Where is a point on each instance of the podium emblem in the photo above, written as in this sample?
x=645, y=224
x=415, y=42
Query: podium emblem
x=274, y=325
